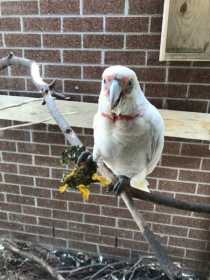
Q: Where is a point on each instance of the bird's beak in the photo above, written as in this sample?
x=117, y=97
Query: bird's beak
x=115, y=93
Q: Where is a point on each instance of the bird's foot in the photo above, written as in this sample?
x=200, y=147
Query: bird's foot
x=121, y=185
x=84, y=157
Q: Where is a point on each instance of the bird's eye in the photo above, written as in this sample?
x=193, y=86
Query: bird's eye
x=104, y=81
x=130, y=83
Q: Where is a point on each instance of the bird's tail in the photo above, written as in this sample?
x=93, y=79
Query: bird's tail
x=139, y=182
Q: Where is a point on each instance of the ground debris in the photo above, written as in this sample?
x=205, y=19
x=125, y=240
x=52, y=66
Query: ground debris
x=75, y=265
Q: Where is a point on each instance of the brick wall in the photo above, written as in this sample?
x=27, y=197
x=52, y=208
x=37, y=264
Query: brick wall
x=75, y=40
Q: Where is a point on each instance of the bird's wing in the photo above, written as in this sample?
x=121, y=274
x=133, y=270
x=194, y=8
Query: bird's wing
x=156, y=139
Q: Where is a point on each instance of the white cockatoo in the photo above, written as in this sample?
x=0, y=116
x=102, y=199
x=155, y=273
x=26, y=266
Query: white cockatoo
x=128, y=129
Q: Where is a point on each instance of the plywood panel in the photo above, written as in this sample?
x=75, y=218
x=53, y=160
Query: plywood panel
x=186, y=30
x=188, y=125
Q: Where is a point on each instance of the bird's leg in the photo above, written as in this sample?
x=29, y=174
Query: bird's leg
x=122, y=183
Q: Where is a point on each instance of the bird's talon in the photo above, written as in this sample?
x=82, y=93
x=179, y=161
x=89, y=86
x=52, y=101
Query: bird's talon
x=84, y=157
x=122, y=183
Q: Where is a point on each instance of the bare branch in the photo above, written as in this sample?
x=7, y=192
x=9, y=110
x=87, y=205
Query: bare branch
x=8, y=244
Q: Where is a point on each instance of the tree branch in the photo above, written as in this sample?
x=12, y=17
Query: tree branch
x=11, y=246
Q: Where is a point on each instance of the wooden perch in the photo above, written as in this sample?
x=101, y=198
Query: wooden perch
x=166, y=264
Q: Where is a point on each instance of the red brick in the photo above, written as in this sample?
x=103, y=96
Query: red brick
x=20, y=199
x=47, y=183
x=42, y=24
x=3, y=216
x=125, y=57
x=127, y=224
x=9, y=188
x=71, y=195
x=57, y=204
x=206, y=164
x=116, y=232
x=189, y=75
x=86, y=57
x=9, y=24
x=127, y=24
x=99, y=220
x=18, y=179
x=186, y=105
x=170, y=230
x=14, y=157
x=38, y=230
x=20, y=70
x=199, y=150
x=187, y=243
x=82, y=87
x=199, y=234
x=49, y=137
x=7, y=146
x=85, y=228
x=68, y=215
x=12, y=84
x=198, y=255
x=166, y=90
x=150, y=74
x=105, y=7
x=103, y=41
x=115, y=212
x=7, y=167
x=10, y=207
x=85, y=208
x=35, y=192
x=176, y=251
x=52, y=223
x=62, y=71
x=22, y=218
x=203, y=189
x=146, y=7
x=171, y=147
x=22, y=40
x=100, y=239
x=143, y=41
x=133, y=245
x=83, y=24
x=166, y=173
x=190, y=222
x=57, y=150
x=43, y=56
x=19, y=7
x=11, y=226
x=47, y=161
x=33, y=148
x=194, y=176
x=199, y=92
x=156, y=24
x=103, y=199
x=111, y=251
x=181, y=162
x=62, y=7
x=69, y=234
x=175, y=186
x=36, y=211
x=62, y=41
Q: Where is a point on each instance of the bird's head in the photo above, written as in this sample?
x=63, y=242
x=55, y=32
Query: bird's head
x=120, y=90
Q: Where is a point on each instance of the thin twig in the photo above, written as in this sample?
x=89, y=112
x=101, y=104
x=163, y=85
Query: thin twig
x=9, y=245
x=19, y=104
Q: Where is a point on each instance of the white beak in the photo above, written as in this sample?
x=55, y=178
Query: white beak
x=115, y=93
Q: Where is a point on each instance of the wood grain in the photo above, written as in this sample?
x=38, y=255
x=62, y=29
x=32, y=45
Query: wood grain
x=189, y=125
x=186, y=30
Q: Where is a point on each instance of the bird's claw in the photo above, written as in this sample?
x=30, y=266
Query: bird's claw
x=122, y=183
x=84, y=158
